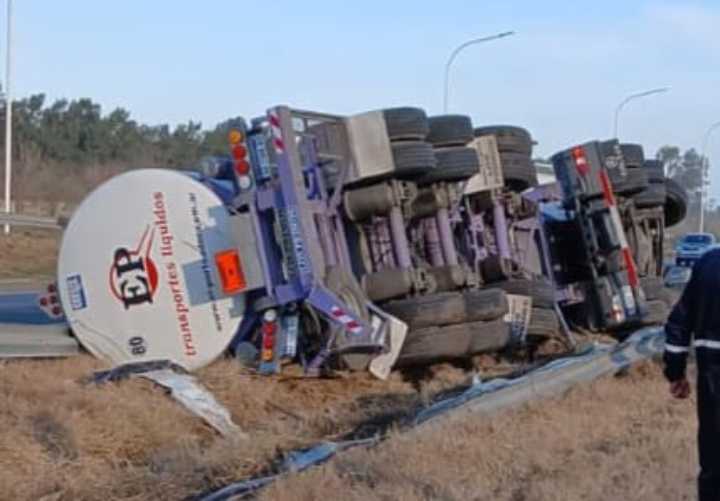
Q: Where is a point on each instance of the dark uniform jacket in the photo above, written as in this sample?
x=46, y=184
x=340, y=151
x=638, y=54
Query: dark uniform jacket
x=695, y=319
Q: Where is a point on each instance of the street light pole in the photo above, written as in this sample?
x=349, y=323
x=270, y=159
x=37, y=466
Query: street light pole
x=705, y=167
x=454, y=54
x=631, y=98
x=8, y=113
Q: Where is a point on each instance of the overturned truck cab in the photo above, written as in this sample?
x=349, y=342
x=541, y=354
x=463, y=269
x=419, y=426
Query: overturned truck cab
x=591, y=254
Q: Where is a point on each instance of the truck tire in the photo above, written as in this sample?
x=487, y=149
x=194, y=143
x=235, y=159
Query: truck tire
x=541, y=291
x=635, y=181
x=450, y=130
x=456, y=163
x=654, y=194
x=675, y=203
x=448, y=308
x=633, y=155
x=406, y=123
x=439, y=344
x=413, y=159
x=657, y=313
x=544, y=324
x=657, y=166
x=509, y=139
x=519, y=171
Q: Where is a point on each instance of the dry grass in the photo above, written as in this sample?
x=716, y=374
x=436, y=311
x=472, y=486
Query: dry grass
x=130, y=441
x=28, y=253
x=61, y=440
x=615, y=439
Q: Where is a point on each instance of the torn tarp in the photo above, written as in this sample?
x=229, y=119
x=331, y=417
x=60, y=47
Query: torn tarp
x=183, y=387
x=193, y=396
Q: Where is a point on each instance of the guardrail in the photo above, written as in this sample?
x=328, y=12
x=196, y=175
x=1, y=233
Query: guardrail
x=46, y=222
x=480, y=398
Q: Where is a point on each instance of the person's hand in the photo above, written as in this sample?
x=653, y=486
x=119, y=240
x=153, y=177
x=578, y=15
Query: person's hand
x=680, y=388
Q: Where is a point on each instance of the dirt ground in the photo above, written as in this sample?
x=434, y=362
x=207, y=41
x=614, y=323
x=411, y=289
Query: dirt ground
x=63, y=440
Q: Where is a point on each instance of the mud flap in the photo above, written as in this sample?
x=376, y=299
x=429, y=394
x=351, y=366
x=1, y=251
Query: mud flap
x=356, y=335
x=381, y=365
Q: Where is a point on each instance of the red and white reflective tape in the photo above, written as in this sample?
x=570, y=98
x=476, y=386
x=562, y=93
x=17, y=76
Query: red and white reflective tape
x=349, y=322
x=620, y=231
x=50, y=303
x=277, y=138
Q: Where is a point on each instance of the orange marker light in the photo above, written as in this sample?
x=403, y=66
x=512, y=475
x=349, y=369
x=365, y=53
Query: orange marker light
x=235, y=137
x=230, y=271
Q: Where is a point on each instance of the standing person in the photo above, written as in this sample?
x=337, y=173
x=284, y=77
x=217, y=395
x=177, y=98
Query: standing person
x=696, y=318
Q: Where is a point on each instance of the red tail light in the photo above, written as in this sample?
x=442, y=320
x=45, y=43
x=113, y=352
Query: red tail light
x=241, y=162
x=581, y=162
x=268, y=330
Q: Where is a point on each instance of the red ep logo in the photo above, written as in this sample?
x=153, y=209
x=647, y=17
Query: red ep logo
x=133, y=275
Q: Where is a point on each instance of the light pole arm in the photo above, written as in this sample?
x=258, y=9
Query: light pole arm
x=631, y=98
x=457, y=51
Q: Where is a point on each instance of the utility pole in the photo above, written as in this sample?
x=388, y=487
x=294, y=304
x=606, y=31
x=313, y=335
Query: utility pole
x=705, y=167
x=8, y=113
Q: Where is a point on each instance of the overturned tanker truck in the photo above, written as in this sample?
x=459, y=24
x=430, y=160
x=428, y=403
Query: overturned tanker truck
x=368, y=242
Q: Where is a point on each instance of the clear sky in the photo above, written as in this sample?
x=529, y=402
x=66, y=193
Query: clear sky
x=561, y=76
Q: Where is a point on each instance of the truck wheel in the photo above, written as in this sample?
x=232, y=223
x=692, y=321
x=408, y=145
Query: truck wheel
x=544, y=323
x=519, y=171
x=654, y=195
x=541, y=291
x=448, y=308
x=657, y=313
x=456, y=163
x=439, y=344
x=509, y=139
x=413, y=159
x=635, y=181
x=675, y=203
x=633, y=155
x=406, y=123
x=450, y=130
x=655, y=170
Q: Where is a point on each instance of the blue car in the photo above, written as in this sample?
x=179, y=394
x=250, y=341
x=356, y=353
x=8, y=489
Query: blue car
x=692, y=246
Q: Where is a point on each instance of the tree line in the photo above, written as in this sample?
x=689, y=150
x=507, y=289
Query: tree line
x=62, y=149
x=77, y=133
